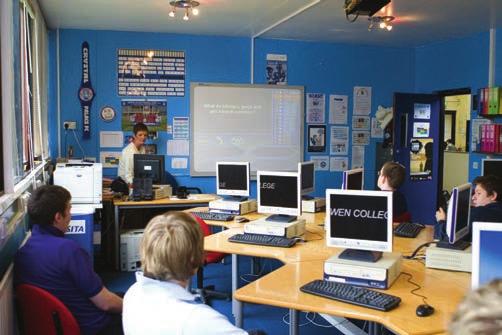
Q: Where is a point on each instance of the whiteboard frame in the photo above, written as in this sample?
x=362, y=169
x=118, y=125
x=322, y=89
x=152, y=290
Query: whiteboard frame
x=194, y=85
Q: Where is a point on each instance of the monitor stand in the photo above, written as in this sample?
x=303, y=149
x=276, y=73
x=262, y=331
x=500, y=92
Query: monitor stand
x=281, y=218
x=458, y=245
x=361, y=255
x=307, y=197
x=235, y=198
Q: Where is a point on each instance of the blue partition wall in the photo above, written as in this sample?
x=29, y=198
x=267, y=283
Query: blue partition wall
x=319, y=67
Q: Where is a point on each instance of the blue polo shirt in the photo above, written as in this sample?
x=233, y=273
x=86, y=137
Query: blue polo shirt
x=63, y=268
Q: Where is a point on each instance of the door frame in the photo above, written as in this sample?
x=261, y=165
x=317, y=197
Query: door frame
x=442, y=95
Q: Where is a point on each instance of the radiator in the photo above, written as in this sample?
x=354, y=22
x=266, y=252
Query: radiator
x=7, y=303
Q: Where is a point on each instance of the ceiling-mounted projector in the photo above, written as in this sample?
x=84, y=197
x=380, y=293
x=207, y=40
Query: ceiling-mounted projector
x=364, y=7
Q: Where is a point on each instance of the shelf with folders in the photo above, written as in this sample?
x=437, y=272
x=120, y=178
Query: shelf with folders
x=490, y=139
x=490, y=102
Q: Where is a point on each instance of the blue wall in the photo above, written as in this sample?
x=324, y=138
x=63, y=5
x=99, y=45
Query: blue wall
x=320, y=67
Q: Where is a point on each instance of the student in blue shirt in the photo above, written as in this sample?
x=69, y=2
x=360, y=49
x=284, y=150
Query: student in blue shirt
x=61, y=267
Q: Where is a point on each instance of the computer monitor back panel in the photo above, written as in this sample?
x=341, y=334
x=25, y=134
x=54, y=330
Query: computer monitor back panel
x=307, y=177
x=491, y=166
x=457, y=218
x=353, y=179
x=359, y=219
x=149, y=166
x=278, y=193
x=232, y=178
x=486, y=252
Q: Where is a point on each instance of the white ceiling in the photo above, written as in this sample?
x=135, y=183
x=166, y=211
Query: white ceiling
x=417, y=22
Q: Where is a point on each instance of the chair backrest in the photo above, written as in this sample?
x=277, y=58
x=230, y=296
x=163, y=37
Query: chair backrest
x=211, y=256
x=404, y=217
x=43, y=313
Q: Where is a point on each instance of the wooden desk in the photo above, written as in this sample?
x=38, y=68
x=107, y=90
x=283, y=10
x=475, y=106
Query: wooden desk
x=194, y=200
x=304, y=262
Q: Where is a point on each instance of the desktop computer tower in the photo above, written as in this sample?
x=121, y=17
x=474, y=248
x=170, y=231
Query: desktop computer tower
x=129, y=250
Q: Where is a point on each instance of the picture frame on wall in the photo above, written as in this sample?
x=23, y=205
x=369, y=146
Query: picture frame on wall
x=316, y=138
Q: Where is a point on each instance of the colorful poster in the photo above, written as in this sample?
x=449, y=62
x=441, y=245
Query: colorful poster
x=421, y=158
x=110, y=159
x=360, y=122
x=151, y=72
x=317, y=138
x=315, y=107
x=277, y=69
x=153, y=113
x=360, y=137
x=421, y=129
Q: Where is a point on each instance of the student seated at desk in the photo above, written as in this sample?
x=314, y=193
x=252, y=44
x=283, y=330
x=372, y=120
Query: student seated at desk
x=486, y=202
x=480, y=312
x=158, y=303
x=390, y=178
x=60, y=266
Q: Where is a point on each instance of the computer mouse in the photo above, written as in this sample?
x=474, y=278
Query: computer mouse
x=424, y=310
x=241, y=219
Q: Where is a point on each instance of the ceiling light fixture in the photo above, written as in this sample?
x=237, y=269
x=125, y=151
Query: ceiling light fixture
x=190, y=7
x=382, y=22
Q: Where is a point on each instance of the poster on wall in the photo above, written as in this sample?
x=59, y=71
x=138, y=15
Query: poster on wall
x=317, y=138
x=110, y=159
x=338, y=164
x=421, y=158
x=421, y=129
x=422, y=111
x=338, y=108
x=360, y=122
x=151, y=72
x=277, y=69
x=321, y=163
x=315, y=107
x=339, y=141
x=357, y=156
x=362, y=100
x=153, y=113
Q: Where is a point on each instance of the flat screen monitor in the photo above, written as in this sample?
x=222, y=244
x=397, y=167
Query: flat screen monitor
x=279, y=194
x=486, y=252
x=457, y=217
x=307, y=181
x=232, y=180
x=360, y=221
x=150, y=166
x=353, y=179
x=491, y=166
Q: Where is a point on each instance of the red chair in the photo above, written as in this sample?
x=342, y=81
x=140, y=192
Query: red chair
x=404, y=217
x=44, y=314
x=206, y=292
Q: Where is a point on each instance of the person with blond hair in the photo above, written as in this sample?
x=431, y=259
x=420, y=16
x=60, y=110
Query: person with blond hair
x=171, y=251
x=480, y=312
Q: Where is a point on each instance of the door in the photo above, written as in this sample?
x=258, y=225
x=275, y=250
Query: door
x=421, y=193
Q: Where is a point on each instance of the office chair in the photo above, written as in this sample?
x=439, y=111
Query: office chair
x=170, y=180
x=206, y=292
x=43, y=313
x=405, y=217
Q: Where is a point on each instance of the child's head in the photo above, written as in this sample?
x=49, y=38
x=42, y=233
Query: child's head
x=391, y=176
x=172, y=247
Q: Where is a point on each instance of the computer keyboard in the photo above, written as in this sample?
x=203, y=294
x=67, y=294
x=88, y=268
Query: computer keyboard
x=214, y=216
x=352, y=294
x=408, y=229
x=267, y=240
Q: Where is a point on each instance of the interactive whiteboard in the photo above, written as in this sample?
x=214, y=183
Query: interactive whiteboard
x=261, y=124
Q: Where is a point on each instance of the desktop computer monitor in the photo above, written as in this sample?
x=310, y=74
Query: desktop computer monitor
x=491, y=166
x=486, y=252
x=360, y=221
x=232, y=180
x=457, y=217
x=150, y=166
x=353, y=179
x=307, y=181
x=279, y=194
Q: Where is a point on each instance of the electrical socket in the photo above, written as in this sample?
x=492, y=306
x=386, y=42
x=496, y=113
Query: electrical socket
x=71, y=125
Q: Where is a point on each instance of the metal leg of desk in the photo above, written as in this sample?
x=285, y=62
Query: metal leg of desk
x=293, y=322
x=236, y=305
x=374, y=328
x=117, y=238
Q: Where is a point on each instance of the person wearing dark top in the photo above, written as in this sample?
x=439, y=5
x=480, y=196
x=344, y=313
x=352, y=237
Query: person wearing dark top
x=486, y=202
x=61, y=267
x=390, y=178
